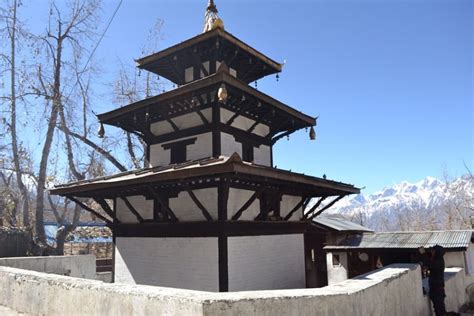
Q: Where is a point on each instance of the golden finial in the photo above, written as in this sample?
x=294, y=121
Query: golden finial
x=211, y=19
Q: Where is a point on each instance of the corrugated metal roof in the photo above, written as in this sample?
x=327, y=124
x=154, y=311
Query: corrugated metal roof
x=407, y=240
x=340, y=224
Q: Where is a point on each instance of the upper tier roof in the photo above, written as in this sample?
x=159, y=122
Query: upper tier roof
x=171, y=62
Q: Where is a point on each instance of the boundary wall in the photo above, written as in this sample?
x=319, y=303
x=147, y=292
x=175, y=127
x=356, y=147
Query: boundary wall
x=393, y=290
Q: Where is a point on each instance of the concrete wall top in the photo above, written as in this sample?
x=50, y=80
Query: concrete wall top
x=82, y=266
x=393, y=290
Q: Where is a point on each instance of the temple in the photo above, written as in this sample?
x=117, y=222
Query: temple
x=209, y=211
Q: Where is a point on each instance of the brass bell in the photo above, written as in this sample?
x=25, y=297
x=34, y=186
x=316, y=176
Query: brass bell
x=312, y=134
x=222, y=94
x=101, y=131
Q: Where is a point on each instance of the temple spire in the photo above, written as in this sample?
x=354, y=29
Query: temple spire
x=211, y=19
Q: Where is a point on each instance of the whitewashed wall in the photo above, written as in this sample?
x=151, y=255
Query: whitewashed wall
x=186, y=210
x=337, y=273
x=244, y=123
x=182, y=122
x=188, y=263
x=229, y=145
x=288, y=202
x=202, y=148
x=266, y=262
x=262, y=155
x=237, y=198
x=143, y=206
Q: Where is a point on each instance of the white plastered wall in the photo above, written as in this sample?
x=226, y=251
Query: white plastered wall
x=229, y=145
x=266, y=262
x=262, y=155
x=288, y=202
x=186, y=210
x=143, y=206
x=182, y=122
x=244, y=123
x=188, y=263
x=337, y=272
x=237, y=198
x=202, y=148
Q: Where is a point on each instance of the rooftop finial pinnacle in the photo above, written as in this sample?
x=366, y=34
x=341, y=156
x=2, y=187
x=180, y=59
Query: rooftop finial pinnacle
x=211, y=20
x=211, y=6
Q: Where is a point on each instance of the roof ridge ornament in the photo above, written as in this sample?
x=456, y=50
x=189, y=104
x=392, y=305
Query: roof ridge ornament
x=211, y=19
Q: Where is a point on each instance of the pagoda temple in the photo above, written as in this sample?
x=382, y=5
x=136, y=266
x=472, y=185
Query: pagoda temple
x=209, y=211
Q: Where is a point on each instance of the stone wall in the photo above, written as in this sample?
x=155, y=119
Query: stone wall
x=74, y=266
x=393, y=290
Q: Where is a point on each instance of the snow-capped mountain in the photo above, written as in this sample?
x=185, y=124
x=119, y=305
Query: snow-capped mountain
x=425, y=205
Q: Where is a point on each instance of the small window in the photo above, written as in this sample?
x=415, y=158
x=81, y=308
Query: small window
x=336, y=260
x=247, y=152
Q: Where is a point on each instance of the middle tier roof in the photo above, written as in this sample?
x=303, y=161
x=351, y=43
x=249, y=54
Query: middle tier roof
x=196, y=95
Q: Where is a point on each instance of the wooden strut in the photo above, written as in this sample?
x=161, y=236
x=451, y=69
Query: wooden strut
x=247, y=204
x=131, y=208
x=264, y=213
x=199, y=204
x=315, y=206
x=173, y=125
x=88, y=209
x=239, y=112
x=258, y=121
x=298, y=205
x=163, y=204
x=326, y=207
x=107, y=209
x=203, y=118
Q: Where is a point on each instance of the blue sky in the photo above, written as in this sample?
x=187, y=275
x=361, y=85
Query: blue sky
x=392, y=81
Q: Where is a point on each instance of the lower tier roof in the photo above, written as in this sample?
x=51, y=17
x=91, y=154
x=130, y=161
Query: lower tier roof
x=204, y=172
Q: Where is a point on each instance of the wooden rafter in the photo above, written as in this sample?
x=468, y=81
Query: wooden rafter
x=298, y=206
x=132, y=208
x=88, y=209
x=315, y=206
x=107, y=209
x=198, y=203
x=326, y=207
x=249, y=202
x=163, y=205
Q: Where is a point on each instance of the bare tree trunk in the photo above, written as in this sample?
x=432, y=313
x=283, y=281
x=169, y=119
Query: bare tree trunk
x=24, y=197
x=56, y=102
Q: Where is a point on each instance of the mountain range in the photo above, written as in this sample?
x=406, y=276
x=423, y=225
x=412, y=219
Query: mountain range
x=430, y=204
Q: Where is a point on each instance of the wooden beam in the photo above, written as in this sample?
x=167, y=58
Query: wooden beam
x=249, y=202
x=196, y=201
x=164, y=206
x=107, y=209
x=288, y=132
x=315, y=206
x=131, y=208
x=326, y=207
x=88, y=209
x=298, y=205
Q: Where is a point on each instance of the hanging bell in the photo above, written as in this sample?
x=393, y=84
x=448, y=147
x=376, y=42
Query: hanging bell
x=312, y=134
x=222, y=94
x=101, y=131
x=147, y=116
